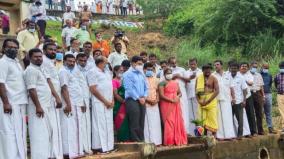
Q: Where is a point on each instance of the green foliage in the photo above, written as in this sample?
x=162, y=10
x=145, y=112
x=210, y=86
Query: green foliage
x=226, y=24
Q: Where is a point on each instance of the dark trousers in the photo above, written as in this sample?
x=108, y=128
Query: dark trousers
x=124, y=11
x=258, y=108
x=251, y=115
x=42, y=25
x=50, y=4
x=136, y=116
x=238, y=111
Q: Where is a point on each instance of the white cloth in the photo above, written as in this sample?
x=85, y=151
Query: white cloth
x=225, y=120
x=102, y=118
x=191, y=97
x=225, y=84
x=239, y=84
x=11, y=75
x=85, y=118
x=190, y=86
x=72, y=143
x=193, y=109
x=36, y=78
x=13, y=133
x=257, y=82
x=49, y=67
x=40, y=129
x=248, y=78
x=72, y=52
x=67, y=34
x=152, y=126
x=68, y=15
x=34, y=10
x=90, y=63
x=116, y=58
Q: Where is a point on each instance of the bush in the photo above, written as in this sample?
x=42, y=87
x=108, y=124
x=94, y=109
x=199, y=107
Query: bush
x=229, y=23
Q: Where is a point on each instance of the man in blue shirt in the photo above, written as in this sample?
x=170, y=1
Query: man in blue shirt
x=267, y=79
x=136, y=91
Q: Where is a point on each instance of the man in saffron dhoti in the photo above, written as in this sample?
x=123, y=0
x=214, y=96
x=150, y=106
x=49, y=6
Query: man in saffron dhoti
x=207, y=89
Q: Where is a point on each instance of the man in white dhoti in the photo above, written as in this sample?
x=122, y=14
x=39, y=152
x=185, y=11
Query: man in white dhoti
x=84, y=115
x=39, y=108
x=152, y=127
x=72, y=102
x=100, y=84
x=12, y=104
x=226, y=94
x=178, y=74
x=240, y=88
x=49, y=50
x=190, y=77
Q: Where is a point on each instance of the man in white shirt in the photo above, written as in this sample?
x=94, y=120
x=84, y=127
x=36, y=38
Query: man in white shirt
x=225, y=98
x=244, y=67
x=87, y=50
x=84, y=116
x=40, y=107
x=68, y=15
x=74, y=47
x=13, y=102
x=178, y=74
x=153, y=59
x=67, y=33
x=190, y=78
x=117, y=57
x=49, y=50
x=258, y=96
x=100, y=84
x=72, y=103
x=38, y=14
x=240, y=88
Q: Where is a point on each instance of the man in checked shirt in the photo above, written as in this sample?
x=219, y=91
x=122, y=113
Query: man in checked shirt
x=279, y=84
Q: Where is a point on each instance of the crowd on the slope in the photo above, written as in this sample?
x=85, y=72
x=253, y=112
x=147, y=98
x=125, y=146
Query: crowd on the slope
x=117, y=7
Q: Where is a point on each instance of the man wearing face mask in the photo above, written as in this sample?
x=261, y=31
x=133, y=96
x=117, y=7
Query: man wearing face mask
x=258, y=96
x=267, y=79
x=101, y=44
x=279, y=85
x=49, y=50
x=67, y=33
x=82, y=34
x=40, y=107
x=136, y=91
x=84, y=112
x=38, y=14
x=100, y=85
x=28, y=39
x=178, y=74
x=13, y=103
x=73, y=102
x=152, y=127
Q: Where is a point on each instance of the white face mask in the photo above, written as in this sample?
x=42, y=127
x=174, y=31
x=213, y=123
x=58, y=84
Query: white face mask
x=119, y=75
x=169, y=76
x=139, y=68
x=32, y=30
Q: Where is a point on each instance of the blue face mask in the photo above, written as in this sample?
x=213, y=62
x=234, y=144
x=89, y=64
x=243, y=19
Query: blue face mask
x=253, y=70
x=59, y=56
x=281, y=70
x=149, y=73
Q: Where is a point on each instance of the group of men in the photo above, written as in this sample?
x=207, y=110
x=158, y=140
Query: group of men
x=70, y=110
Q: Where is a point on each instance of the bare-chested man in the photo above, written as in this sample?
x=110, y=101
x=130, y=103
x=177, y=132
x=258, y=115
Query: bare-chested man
x=85, y=17
x=207, y=89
